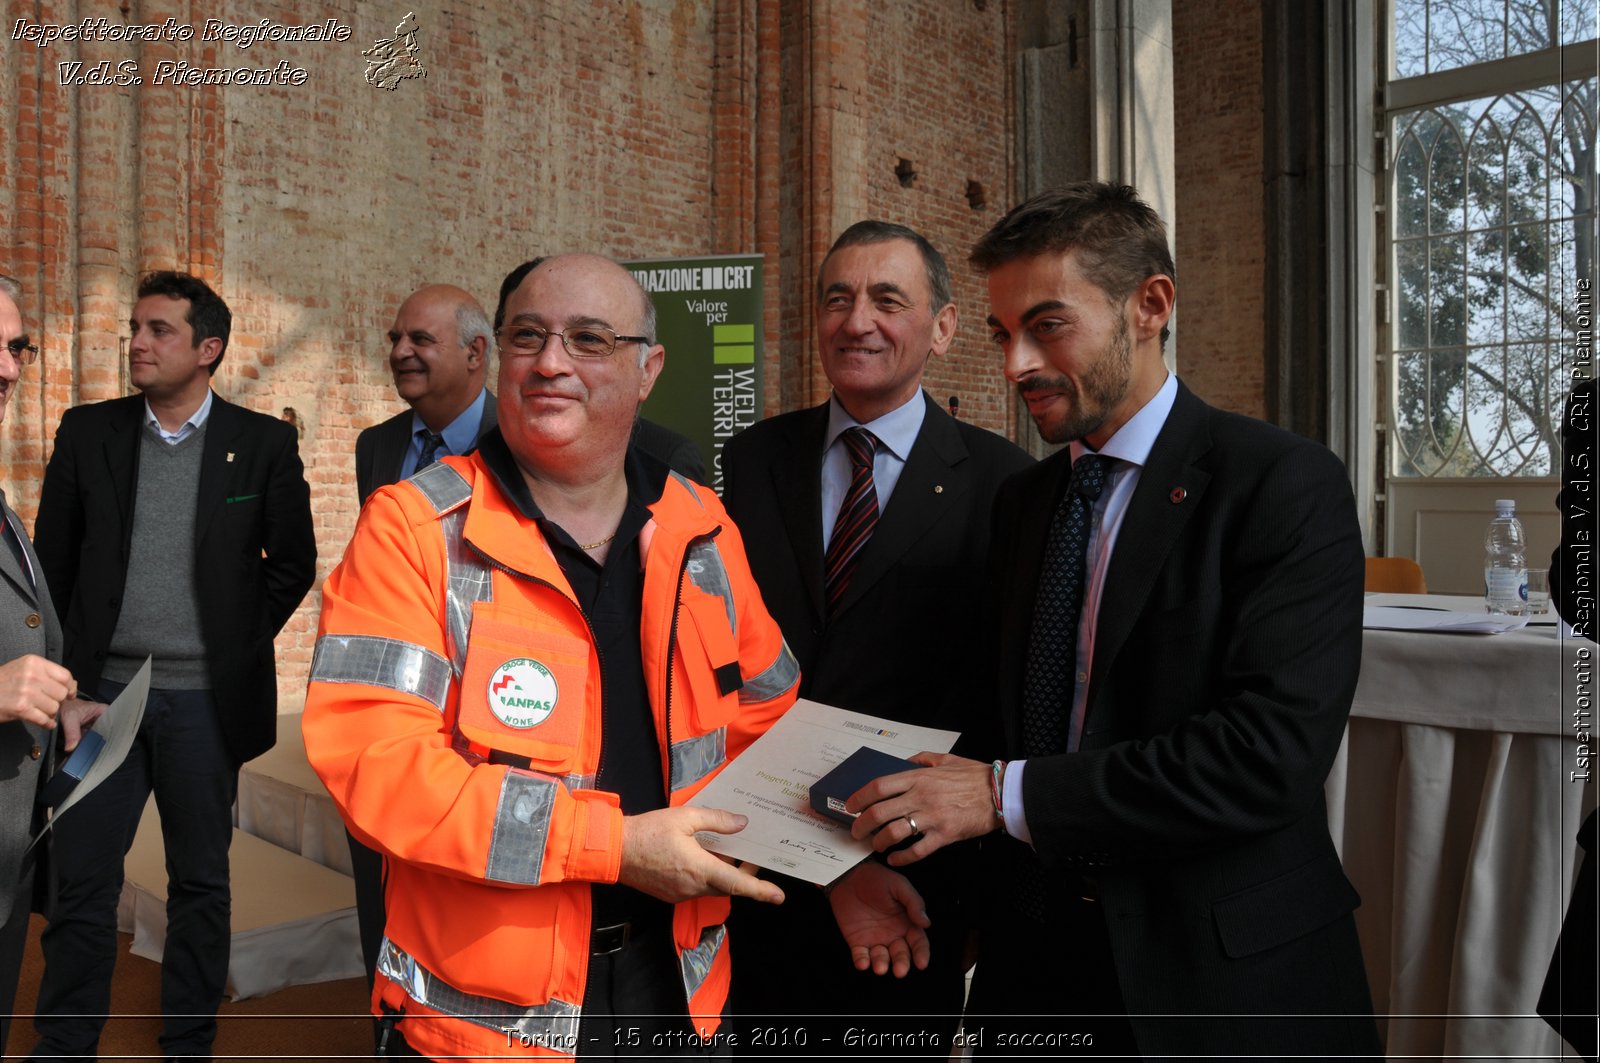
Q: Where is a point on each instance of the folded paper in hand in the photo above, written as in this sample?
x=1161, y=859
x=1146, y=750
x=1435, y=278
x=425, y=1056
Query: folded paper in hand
x=117, y=727
x=770, y=782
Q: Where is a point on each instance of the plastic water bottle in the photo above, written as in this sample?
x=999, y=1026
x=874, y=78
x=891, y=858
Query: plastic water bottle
x=1505, y=561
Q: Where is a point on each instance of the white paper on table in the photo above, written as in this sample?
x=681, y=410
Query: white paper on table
x=770, y=782
x=1403, y=618
x=118, y=725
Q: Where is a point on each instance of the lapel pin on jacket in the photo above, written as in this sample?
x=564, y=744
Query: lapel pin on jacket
x=230, y=455
x=938, y=489
x=1178, y=495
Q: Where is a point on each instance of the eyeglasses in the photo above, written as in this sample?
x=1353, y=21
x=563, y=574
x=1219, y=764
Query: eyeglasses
x=581, y=341
x=24, y=352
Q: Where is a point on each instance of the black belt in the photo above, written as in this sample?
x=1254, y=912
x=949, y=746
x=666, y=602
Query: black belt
x=604, y=940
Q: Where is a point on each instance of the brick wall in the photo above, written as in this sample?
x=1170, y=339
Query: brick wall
x=865, y=87
x=942, y=102
x=1221, y=229
x=315, y=208
x=632, y=128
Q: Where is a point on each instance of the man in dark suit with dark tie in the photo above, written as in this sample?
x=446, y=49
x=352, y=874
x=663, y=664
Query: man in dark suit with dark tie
x=177, y=525
x=36, y=692
x=1177, y=627
x=867, y=523
x=439, y=355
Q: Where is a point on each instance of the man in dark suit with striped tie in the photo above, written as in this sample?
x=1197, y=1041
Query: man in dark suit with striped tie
x=867, y=523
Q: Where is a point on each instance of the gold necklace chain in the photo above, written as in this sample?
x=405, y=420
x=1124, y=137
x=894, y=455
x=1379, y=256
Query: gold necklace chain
x=597, y=545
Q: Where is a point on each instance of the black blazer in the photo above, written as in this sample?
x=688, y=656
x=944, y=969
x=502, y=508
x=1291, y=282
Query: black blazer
x=905, y=623
x=1226, y=654
x=898, y=647
x=381, y=449
x=255, y=549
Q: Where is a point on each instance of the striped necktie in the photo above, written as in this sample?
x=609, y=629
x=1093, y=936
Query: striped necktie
x=858, y=515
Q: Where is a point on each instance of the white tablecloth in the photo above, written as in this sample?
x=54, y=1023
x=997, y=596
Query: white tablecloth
x=282, y=801
x=293, y=921
x=1456, y=815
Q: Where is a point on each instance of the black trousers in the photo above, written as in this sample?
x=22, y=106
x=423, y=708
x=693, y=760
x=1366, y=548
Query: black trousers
x=796, y=991
x=179, y=755
x=1570, y=1000
x=366, y=867
x=13, y=938
x=1048, y=989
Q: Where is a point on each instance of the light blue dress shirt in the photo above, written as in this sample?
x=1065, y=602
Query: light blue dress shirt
x=460, y=435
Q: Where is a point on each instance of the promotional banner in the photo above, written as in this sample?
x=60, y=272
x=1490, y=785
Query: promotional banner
x=708, y=316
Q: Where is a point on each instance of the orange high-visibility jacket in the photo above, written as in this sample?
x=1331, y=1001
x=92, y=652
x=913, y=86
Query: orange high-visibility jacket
x=454, y=713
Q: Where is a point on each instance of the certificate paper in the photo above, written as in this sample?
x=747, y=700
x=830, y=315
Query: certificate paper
x=771, y=784
x=119, y=725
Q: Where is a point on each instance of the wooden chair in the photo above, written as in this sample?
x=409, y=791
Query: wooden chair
x=1395, y=575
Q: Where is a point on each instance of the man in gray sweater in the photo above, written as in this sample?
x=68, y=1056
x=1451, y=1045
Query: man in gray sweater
x=179, y=528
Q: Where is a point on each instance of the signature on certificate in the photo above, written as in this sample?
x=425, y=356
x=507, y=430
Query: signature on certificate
x=820, y=851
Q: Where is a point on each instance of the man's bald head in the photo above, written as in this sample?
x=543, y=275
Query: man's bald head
x=439, y=352
x=566, y=410
x=514, y=279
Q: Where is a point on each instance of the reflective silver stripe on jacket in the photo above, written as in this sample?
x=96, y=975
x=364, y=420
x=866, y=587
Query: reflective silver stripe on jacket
x=553, y=1025
x=442, y=486
x=696, y=963
x=695, y=758
x=576, y=781
x=773, y=680
x=689, y=485
x=404, y=667
x=468, y=580
x=521, y=825
x=706, y=571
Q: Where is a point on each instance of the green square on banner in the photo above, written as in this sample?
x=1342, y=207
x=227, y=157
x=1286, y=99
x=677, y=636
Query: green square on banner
x=733, y=355
x=733, y=334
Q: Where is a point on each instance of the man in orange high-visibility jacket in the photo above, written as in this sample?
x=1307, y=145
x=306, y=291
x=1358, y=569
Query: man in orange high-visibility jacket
x=529, y=659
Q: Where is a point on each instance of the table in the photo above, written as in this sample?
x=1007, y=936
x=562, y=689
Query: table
x=283, y=801
x=1454, y=808
x=293, y=922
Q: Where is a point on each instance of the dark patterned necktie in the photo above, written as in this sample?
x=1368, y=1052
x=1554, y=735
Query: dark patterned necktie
x=432, y=443
x=858, y=515
x=1052, y=662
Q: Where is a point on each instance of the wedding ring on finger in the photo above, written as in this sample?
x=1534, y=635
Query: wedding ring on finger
x=911, y=821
